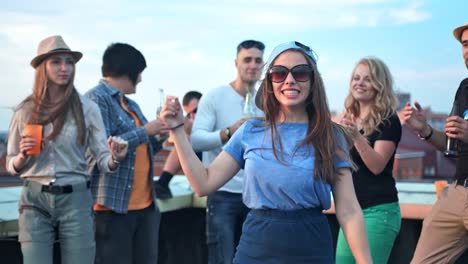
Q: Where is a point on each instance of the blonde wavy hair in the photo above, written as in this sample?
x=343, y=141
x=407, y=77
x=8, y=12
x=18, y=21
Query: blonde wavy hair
x=385, y=102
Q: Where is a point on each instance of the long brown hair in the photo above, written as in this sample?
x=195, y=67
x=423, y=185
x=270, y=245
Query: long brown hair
x=385, y=101
x=42, y=111
x=322, y=133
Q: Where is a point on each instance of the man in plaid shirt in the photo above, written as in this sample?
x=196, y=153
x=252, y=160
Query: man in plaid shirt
x=126, y=214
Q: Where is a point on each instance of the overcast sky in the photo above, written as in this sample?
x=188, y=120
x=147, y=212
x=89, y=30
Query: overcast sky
x=191, y=45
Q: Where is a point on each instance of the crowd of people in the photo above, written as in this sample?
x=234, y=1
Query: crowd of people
x=267, y=158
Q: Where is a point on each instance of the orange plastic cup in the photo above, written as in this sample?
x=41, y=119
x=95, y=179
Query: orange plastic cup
x=34, y=131
x=439, y=185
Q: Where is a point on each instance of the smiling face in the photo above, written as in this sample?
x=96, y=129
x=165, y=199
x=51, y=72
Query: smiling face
x=60, y=68
x=361, y=87
x=291, y=94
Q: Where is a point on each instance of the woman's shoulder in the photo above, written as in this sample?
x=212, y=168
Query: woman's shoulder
x=391, y=120
x=88, y=104
x=86, y=100
x=257, y=123
x=390, y=116
x=340, y=134
x=23, y=109
x=252, y=126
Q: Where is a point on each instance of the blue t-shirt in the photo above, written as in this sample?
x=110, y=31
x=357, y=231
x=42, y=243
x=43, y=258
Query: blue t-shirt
x=270, y=184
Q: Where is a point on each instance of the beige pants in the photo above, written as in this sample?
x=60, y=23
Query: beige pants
x=444, y=236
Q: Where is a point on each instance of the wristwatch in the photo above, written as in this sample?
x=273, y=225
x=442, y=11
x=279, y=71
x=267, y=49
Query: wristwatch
x=227, y=132
x=429, y=135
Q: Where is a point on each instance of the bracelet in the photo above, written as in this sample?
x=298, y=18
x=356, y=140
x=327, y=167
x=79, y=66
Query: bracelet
x=177, y=126
x=431, y=131
x=116, y=161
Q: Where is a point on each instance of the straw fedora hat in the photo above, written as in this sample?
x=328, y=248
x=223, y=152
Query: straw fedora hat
x=52, y=45
x=457, y=32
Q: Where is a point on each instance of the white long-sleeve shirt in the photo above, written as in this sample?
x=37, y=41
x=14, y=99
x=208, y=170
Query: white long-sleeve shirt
x=218, y=109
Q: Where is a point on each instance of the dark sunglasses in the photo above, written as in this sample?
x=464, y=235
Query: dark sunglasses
x=300, y=73
x=248, y=44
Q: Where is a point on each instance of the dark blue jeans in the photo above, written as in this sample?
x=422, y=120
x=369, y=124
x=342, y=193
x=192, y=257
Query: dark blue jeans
x=224, y=218
x=127, y=238
x=281, y=237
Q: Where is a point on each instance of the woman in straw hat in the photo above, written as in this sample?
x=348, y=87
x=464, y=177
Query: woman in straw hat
x=56, y=201
x=292, y=160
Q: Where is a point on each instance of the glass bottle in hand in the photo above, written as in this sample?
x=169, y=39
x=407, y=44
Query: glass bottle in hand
x=249, y=107
x=452, y=146
x=163, y=136
x=161, y=102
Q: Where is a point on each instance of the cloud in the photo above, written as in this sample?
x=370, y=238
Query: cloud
x=409, y=14
x=302, y=15
x=444, y=72
x=188, y=44
x=206, y=17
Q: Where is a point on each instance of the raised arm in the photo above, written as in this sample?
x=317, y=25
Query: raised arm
x=349, y=215
x=203, y=180
x=134, y=136
x=414, y=119
x=106, y=152
x=375, y=157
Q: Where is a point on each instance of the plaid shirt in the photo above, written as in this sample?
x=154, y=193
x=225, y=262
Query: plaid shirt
x=113, y=190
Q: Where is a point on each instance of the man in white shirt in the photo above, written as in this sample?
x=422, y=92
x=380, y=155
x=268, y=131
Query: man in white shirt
x=219, y=115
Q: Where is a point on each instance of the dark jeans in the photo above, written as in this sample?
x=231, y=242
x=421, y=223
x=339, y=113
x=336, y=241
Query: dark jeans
x=127, y=238
x=224, y=218
x=279, y=237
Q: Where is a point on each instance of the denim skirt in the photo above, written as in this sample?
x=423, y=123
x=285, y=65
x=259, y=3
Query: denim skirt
x=285, y=237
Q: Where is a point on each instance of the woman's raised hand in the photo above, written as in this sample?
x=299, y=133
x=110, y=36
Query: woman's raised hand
x=351, y=125
x=171, y=112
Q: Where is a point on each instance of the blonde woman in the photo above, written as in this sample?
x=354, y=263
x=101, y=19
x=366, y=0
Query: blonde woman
x=371, y=120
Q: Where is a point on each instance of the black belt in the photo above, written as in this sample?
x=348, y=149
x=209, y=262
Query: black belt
x=58, y=189
x=463, y=182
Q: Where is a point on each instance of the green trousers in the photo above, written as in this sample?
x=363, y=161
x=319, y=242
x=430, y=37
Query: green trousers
x=382, y=225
